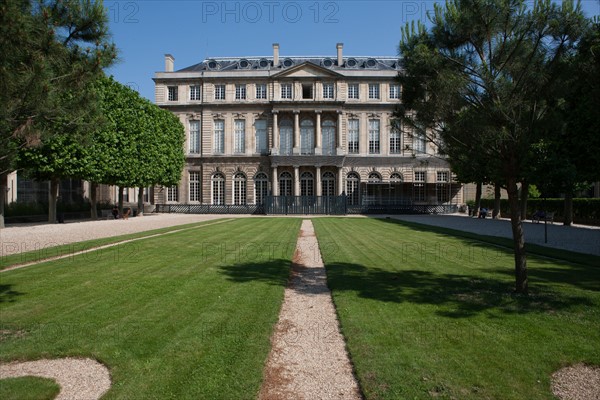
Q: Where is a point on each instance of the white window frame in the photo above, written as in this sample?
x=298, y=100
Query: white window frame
x=195, y=94
x=261, y=90
x=173, y=93
x=419, y=144
x=395, y=141
x=240, y=186
x=353, y=136
x=220, y=90
x=218, y=189
x=195, y=187
x=328, y=90
x=173, y=194
x=261, y=187
x=219, y=136
x=353, y=188
x=374, y=136
x=240, y=91
x=353, y=91
x=195, y=139
x=239, y=140
x=260, y=136
x=374, y=92
x=287, y=91
x=394, y=91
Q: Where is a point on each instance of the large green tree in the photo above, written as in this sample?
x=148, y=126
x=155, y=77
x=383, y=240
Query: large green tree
x=51, y=51
x=479, y=81
x=139, y=145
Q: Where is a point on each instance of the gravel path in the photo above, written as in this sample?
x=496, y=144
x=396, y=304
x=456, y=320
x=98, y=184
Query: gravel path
x=582, y=239
x=308, y=358
x=81, y=379
x=577, y=382
x=35, y=237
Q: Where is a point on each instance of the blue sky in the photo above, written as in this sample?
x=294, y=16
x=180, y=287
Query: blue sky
x=192, y=30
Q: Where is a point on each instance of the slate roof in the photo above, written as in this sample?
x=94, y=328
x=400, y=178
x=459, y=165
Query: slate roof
x=266, y=63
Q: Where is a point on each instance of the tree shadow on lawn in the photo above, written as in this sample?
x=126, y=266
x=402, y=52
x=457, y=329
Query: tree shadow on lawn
x=273, y=272
x=7, y=295
x=457, y=296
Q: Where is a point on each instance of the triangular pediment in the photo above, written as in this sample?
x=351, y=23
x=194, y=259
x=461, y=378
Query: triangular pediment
x=307, y=70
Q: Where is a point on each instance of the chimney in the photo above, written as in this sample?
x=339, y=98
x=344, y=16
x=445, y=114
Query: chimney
x=340, y=59
x=275, y=54
x=169, y=63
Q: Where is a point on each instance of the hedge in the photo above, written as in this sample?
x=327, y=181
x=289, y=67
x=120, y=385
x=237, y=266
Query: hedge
x=585, y=211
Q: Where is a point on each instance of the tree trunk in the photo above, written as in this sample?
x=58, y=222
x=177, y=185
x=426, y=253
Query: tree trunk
x=3, y=187
x=496, y=213
x=140, y=211
x=568, y=208
x=477, y=198
x=120, y=200
x=521, y=281
x=52, y=199
x=94, y=200
x=524, y=197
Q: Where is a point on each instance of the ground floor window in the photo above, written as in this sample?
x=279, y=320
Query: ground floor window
x=307, y=184
x=261, y=184
x=194, y=186
x=352, y=188
x=218, y=189
x=328, y=184
x=285, y=184
x=239, y=188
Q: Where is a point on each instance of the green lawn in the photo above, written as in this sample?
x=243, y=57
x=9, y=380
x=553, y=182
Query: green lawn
x=432, y=315
x=28, y=388
x=186, y=315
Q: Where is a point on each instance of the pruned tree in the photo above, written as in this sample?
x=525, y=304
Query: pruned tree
x=479, y=81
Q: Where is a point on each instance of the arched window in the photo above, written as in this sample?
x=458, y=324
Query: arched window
x=307, y=135
x=285, y=184
x=307, y=184
x=328, y=134
x=218, y=189
x=374, y=177
x=396, y=177
x=239, y=188
x=261, y=183
x=328, y=184
x=286, y=137
x=352, y=188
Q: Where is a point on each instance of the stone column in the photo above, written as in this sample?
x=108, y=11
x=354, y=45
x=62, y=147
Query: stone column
x=296, y=132
x=340, y=185
x=340, y=133
x=296, y=180
x=275, y=183
x=319, y=186
x=319, y=141
x=275, y=141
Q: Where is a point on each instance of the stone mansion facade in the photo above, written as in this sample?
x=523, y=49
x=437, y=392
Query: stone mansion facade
x=297, y=126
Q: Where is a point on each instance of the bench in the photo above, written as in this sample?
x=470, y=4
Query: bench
x=106, y=214
x=547, y=217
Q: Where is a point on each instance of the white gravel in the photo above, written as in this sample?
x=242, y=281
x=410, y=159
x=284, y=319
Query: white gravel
x=308, y=358
x=38, y=237
x=79, y=378
x=577, y=382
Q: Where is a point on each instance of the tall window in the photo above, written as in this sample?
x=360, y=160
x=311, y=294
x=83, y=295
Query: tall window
x=218, y=189
x=173, y=193
x=394, y=91
x=194, y=186
x=219, y=92
x=286, y=137
x=261, y=185
x=261, y=91
x=395, y=138
x=328, y=134
x=352, y=188
x=285, y=184
x=260, y=127
x=286, y=91
x=373, y=90
x=353, y=91
x=353, y=136
x=219, y=137
x=419, y=186
x=307, y=184
x=239, y=188
x=374, y=135
x=194, y=137
x=328, y=184
x=240, y=92
x=443, y=187
x=239, y=145
x=307, y=134
x=419, y=143
x=195, y=92
x=173, y=93
x=328, y=91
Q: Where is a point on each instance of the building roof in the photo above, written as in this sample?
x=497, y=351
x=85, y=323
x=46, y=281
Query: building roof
x=266, y=63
